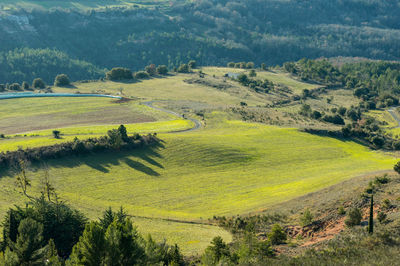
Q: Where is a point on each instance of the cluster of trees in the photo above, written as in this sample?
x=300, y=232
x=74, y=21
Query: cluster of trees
x=255, y=84
x=368, y=130
x=120, y=73
x=335, y=117
x=49, y=232
x=116, y=139
x=375, y=83
x=37, y=83
x=243, y=65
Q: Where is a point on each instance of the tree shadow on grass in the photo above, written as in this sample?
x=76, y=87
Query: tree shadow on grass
x=103, y=161
x=140, y=167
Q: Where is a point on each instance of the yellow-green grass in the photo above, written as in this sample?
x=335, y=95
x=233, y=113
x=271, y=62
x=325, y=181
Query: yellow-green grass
x=173, y=88
x=44, y=137
x=391, y=125
x=383, y=116
x=276, y=77
x=192, y=238
x=229, y=168
x=30, y=114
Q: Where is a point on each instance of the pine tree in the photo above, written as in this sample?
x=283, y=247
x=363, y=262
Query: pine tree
x=91, y=248
x=371, y=216
x=29, y=247
x=51, y=255
x=108, y=218
x=122, y=244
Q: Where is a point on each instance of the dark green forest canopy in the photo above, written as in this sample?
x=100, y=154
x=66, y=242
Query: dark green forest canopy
x=211, y=32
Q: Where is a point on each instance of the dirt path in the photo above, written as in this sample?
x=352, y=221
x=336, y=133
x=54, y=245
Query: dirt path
x=393, y=113
x=197, y=123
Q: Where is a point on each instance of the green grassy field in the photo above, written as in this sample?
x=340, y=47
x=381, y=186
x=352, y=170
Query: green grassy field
x=229, y=168
x=31, y=114
x=173, y=88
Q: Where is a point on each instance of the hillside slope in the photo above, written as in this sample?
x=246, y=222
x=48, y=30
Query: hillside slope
x=212, y=32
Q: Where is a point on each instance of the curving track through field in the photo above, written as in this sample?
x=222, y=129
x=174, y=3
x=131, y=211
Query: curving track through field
x=197, y=123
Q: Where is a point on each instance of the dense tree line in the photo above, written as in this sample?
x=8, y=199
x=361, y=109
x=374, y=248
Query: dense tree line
x=116, y=139
x=213, y=32
x=26, y=64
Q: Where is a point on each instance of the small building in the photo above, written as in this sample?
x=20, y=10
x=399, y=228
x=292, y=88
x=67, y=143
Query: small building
x=232, y=75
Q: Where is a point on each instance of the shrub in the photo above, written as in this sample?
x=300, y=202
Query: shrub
x=252, y=73
x=341, y=210
x=119, y=73
x=381, y=217
x=397, y=167
x=396, y=145
x=263, y=66
x=38, y=83
x=382, y=179
x=25, y=85
x=151, y=69
x=162, y=70
x=378, y=141
x=250, y=65
x=141, y=75
x=56, y=134
x=61, y=80
x=342, y=110
x=15, y=87
x=277, y=235
x=231, y=64
x=192, y=64
x=316, y=115
x=243, y=79
x=386, y=204
x=183, y=68
x=354, y=217
x=306, y=218
x=334, y=119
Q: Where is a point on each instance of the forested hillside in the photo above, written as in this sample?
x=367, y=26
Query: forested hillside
x=213, y=32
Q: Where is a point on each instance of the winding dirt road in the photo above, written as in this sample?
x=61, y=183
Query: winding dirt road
x=393, y=113
x=197, y=123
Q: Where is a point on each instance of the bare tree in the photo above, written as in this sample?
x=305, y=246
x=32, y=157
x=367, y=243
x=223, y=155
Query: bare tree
x=22, y=180
x=47, y=188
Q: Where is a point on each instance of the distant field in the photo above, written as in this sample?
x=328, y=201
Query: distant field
x=173, y=88
x=229, y=168
x=79, y=4
x=279, y=78
x=31, y=114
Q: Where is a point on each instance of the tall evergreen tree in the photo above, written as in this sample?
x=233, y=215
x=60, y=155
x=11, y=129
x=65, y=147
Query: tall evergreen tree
x=29, y=247
x=91, y=248
x=371, y=216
